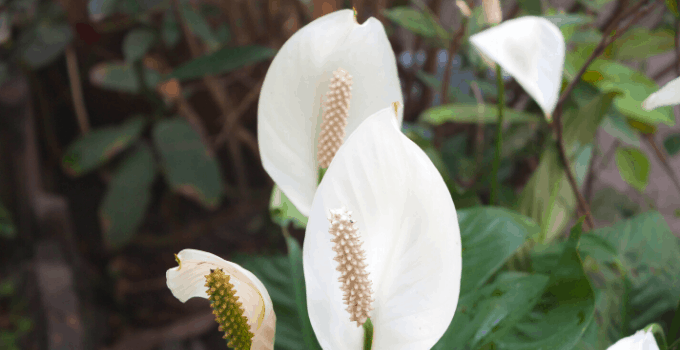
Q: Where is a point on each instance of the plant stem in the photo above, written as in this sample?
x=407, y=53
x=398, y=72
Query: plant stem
x=368, y=334
x=495, y=186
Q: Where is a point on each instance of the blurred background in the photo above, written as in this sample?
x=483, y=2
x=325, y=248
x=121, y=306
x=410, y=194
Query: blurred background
x=128, y=132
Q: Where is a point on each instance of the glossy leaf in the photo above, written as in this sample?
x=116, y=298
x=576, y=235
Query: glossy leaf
x=566, y=309
x=489, y=237
x=222, y=61
x=127, y=197
x=492, y=310
x=137, y=43
x=634, y=167
x=188, y=166
x=463, y=113
x=295, y=258
x=98, y=146
x=121, y=77
x=282, y=211
x=672, y=144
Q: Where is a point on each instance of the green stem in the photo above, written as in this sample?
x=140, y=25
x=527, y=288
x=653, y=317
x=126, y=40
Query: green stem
x=368, y=334
x=322, y=172
x=495, y=186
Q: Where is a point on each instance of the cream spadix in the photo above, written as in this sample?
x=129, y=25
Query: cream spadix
x=668, y=95
x=531, y=50
x=641, y=340
x=290, y=105
x=404, y=227
x=240, y=302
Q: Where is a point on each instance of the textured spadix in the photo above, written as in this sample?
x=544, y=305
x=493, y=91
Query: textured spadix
x=641, y=340
x=189, y=280
x=289, y=109
x=408, y=227
x=531, y=50
x=668, y=95
x=334, y=118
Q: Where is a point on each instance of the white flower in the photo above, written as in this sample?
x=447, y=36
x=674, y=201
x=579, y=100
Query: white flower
x=189, y=280
x=386, y=207
x=641, y=340
x=668, y=95
x=531, y=50
x=289, y=109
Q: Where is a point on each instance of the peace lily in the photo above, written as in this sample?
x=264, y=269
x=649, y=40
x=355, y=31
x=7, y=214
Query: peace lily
x=641, y=340
x=240, y=302
x=382, y=242
x=531, y=50
x=668, y=95
x=298, y=81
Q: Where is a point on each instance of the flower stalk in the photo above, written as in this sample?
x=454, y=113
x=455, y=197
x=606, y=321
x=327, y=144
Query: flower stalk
x=495, y=185
x=368, y=334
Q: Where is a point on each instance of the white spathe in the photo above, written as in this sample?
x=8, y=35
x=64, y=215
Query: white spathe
x=289, y=109
x=641, y=340
x=409, y=228
x=531, y=50
x=187, y=281
x=668, y=95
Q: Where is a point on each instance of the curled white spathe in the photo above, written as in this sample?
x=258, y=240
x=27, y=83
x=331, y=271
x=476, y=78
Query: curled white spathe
x=531, y=50
x=289, y=109
x=407, y=222
x=641, y=340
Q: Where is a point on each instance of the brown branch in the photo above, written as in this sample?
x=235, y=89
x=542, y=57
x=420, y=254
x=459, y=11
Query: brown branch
x=557, y=117
x=235, y=115
x=453, y=48
x=663, y=159
x=76, y=90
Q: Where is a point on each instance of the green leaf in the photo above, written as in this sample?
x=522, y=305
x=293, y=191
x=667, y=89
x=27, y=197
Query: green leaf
x=672, y=144
x=137, y=43
x=595, y=5
x=489, y=237
x=7, y=229
x=659, y=335
x=472, y=113
x=566, y=309
x=222, y=61
x=295, y=257
x=615, y=125
x=531, y=7
x=633, y=166
x=189, y=166
x=611, y=206
x=673, y=7
x=98, y=146
x=640, y=43
x=548, y=198
x=282, y=211
x=121, y=77
x=674, y=328
x=200, y=27
x=127, y=197
x=170, y=31
x=275, y=273
x=45, y=42
x=492, y=310
x=418, y=22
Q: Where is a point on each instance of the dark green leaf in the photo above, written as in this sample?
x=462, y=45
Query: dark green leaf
x=672, y=144
x=463, y=113
x=100, y=9
x=137, y=43
x=98, y=146
x=489, y=237
x=121, y=77
x=633, y=166
x=295, y=257
x=419, y=22
x=673, y=7
x=7, y=229
x=674, y=328
x=171, y=31
x=595, y=5
x=566, y=310
x=200, y=27
x=275, y=273
x=41, y=45
x=531, y=7
x=659, y=335
x=189, y=167
x=492, y=310
x=221, y=61
x=282, y=211
x=127, y=197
